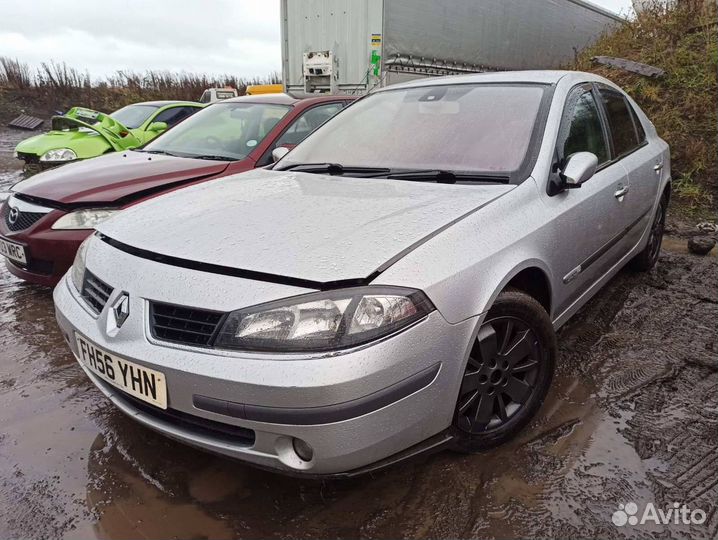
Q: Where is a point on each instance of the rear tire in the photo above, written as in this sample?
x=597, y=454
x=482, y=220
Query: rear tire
x=647, y=259
x=508, y=373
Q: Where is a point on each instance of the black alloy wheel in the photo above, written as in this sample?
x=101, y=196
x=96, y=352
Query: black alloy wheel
x=656, y=235
x=648, y=257
x=507, y=375
x=501, y=375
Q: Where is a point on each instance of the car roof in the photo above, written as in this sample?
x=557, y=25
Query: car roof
x=509, y=77
x=286, y=99
x=165, y=102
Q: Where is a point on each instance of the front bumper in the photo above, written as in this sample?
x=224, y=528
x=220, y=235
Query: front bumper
x=354, y=408
x=49, y=252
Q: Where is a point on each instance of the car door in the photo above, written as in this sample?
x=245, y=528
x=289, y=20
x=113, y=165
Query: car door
x=300, y=127
x=642, y=161
x=588, y=219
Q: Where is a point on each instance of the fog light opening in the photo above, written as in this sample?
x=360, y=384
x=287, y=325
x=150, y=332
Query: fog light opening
x=303, y=449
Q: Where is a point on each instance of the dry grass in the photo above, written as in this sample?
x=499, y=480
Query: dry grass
x=57, y=86
x=681, y=39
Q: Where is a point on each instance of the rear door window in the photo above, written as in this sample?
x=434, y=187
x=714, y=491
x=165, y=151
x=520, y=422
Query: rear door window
x=639, y=127
x=582, y=130
x=620, y=121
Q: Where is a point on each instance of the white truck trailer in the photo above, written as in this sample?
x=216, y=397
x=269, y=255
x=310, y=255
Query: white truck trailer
x=351, y=46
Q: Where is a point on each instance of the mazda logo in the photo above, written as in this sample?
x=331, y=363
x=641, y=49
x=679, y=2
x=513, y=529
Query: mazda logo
x=14, y=214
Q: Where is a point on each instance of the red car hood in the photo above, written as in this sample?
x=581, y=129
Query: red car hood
x=118, y=177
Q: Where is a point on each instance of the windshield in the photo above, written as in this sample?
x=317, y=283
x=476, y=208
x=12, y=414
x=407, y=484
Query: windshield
x=133, y=116
x=223, y=130
x=468, y=127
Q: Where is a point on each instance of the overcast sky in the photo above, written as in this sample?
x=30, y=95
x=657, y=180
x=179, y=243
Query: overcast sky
x=238, y=37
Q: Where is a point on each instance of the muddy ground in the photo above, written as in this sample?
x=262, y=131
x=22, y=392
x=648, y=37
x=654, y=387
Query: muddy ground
x=632, y=416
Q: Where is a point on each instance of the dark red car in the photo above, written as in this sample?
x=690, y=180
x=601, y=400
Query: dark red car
x=47, y=216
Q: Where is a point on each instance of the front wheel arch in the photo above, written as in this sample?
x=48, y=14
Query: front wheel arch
x=512, y=303
x=531, y=277
x=534, y=282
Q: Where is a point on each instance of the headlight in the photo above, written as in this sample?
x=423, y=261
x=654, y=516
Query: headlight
x=78, y=266
x=83, y=219
x=61, y=154
x=323, y=321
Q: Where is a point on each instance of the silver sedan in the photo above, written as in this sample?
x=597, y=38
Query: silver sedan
x=390, y=286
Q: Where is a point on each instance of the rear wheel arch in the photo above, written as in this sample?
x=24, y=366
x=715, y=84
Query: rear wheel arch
x=667, y=190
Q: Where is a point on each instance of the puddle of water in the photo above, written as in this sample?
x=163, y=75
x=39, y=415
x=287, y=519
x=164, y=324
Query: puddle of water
x=680, y=245
x=10, y=167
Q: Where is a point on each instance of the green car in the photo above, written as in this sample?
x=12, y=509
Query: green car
x=84, y=133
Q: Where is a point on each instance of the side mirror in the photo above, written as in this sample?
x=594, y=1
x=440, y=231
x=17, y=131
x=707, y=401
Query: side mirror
x=157, y=126
x=579, y=168
x=279, y=152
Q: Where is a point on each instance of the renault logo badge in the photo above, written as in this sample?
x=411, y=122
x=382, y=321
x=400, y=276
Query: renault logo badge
x=14, y=214
x=121, y=309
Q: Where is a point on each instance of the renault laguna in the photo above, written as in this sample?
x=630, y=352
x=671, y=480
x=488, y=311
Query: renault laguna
x=390, y=286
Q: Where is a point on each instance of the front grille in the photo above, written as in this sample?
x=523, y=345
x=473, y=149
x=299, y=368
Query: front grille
x=189, y=422
x=95, y=291
x=23, y=220
x=184, y=325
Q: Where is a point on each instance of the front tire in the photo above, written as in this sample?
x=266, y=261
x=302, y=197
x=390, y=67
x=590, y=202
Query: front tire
x=508, y=373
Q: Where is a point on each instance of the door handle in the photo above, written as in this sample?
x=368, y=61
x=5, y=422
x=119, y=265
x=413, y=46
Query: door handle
x=657, y=167
x=621, y=191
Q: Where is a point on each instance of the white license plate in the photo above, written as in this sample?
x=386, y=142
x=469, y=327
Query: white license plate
x=11, y=250
x=87, y=114
x=138, y=381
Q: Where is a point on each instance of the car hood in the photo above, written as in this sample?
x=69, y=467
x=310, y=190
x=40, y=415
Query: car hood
x=52, y=140
x=114, y=133
x=116, y=178
x=79, y=126
x=304, y=226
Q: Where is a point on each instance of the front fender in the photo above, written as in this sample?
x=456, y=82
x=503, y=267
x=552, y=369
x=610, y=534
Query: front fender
x=464, y=268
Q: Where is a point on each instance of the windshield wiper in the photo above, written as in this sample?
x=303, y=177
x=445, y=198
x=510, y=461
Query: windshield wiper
x=428, y=175
x=334, y=169
x=447, y=177
x=214, y=157
x=160, y=152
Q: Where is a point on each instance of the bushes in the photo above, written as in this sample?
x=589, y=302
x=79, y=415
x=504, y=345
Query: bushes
x=13, y=74
x=57, y=86
x=679, y=37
